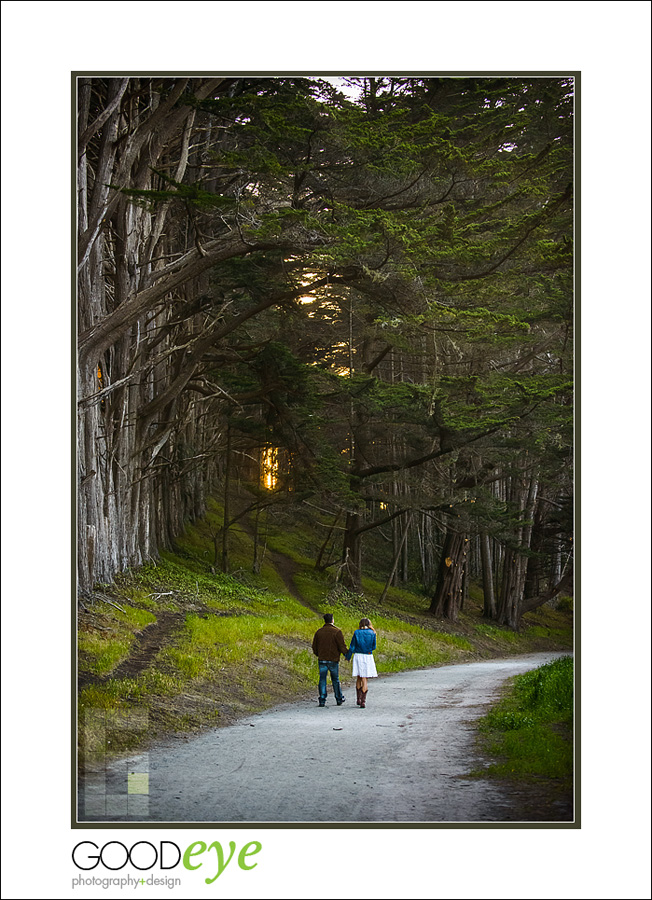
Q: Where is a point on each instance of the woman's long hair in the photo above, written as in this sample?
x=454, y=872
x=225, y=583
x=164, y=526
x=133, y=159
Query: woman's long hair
x=365, y=623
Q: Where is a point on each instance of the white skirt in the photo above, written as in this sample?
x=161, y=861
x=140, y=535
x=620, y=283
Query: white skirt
x=364, y=665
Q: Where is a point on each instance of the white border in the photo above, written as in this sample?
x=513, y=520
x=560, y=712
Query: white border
x=609, y=44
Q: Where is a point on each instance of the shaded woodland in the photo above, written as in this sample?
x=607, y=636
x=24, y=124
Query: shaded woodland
x=355, y=302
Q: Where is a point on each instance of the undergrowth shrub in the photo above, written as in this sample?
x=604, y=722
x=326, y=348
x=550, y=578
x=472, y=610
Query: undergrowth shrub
x=529, y=730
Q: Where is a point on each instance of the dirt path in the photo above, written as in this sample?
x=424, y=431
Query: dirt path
x=147, y=644
x=405, y=758
x=286, y=568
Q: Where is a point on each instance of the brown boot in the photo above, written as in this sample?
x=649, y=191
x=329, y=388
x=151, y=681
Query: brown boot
x=358, y=696
x=363, y=699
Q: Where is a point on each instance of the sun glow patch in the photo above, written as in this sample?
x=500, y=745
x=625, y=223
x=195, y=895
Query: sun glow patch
x=269, y=467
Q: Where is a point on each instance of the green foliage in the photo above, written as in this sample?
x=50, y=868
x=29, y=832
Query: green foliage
x=548, y=690
x=542, y=631
x=244, y=642
x=192, y=194
x=135, y=618
x=371, y=201
x=101, y=651
x=435, y=216
x=530, y=729
x=110, y=694
x=496, y=633
x=100, y=654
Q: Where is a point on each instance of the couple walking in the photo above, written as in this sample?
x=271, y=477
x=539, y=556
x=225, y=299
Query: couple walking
x=327, y=645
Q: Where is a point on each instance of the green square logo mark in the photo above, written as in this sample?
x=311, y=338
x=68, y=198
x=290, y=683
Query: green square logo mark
x=138, y=783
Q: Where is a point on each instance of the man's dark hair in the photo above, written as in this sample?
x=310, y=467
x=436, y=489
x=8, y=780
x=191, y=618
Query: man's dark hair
x=328, y=618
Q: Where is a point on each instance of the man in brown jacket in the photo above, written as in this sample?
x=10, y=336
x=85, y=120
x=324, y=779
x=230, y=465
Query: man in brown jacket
x=327, y=645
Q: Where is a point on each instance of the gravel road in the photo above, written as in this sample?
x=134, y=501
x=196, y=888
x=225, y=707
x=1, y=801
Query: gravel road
x=402, y=759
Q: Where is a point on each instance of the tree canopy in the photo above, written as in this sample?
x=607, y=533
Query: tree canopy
x=378, y=287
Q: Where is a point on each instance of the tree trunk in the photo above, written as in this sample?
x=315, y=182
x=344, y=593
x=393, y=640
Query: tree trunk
x=255, y=567
x=322, y=549
x=227, y=514
x=509, y=599
x=397, y=556
x=351, y=567
x=515, y=565
x=533, y=567
x=136, y=488
x=489, y=604
x=447, y=598
x=565, y=584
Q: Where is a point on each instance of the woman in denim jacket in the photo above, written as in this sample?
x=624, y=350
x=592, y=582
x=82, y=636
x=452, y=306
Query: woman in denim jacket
x=362, y=645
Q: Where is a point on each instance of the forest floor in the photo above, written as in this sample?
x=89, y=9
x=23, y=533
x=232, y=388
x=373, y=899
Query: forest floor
x=545, y=631
x=175, y=649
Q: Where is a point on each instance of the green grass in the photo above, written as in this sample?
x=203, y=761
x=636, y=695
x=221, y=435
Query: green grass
x=240, y=642
x=496, y=633
x=99, y=654
x=564, y=603
x=541, y=631
x=530, y=729
x=101, y=650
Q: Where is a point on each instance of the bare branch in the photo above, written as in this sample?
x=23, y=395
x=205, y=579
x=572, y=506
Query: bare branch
x=101, y=119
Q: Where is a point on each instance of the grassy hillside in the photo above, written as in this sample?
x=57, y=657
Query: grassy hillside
x=175, y=646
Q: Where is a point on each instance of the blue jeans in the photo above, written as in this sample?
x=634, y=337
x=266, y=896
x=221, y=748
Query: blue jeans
x=326, y=666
